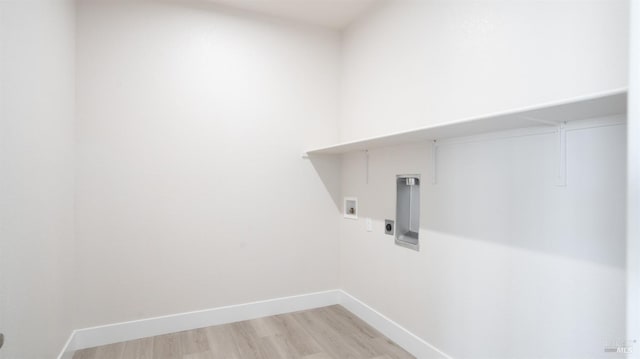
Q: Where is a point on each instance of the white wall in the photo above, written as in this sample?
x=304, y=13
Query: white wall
x=191, y=193
x=36, y=176
x=191, y=190
x=411, y=63
x=633, y=182
x=510, y=265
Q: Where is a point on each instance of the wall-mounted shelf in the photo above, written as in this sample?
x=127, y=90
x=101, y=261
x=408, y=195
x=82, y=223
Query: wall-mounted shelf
x=548, y=114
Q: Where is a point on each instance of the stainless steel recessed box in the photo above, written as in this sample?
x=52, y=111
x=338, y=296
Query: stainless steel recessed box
x=408, y=211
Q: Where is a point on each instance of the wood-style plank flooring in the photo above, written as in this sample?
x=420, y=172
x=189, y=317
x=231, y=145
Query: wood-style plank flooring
x=322, y=333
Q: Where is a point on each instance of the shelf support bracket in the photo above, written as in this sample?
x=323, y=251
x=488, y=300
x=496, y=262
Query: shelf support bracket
x=561, y=179
x=366, y=155
x=434, y=162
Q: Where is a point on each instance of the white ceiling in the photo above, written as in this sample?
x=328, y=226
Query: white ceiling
x=331, y=13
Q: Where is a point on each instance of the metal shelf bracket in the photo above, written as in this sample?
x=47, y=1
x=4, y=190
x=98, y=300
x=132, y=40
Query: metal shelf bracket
x=366, y=155
x=561, y=179
x=434, y=162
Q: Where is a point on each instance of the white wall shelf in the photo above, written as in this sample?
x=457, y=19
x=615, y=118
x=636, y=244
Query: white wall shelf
x=549, y=114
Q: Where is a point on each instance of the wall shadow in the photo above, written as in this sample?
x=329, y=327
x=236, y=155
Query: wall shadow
x=329, y=169
x=505, y=192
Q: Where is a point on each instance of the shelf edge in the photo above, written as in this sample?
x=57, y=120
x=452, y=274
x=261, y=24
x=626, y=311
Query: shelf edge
x=604, y=94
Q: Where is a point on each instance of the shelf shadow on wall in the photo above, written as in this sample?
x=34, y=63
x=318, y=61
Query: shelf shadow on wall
x=329, y=170
x=504, y=192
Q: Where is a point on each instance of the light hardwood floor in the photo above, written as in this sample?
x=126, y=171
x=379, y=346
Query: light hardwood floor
x=322, y=333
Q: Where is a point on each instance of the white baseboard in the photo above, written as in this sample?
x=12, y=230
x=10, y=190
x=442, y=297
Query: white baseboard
x=136, y=329
x=67, y=352
x=392, y=330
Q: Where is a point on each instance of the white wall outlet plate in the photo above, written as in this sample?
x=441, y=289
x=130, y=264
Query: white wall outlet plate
x=369, y=224
x=351, y=207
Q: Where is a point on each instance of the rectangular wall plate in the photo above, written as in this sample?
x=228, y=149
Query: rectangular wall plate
x=388, y=227
x=351, y=207
x=408, y=211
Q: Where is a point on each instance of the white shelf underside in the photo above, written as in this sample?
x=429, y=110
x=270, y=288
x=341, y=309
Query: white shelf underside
x=545, y=115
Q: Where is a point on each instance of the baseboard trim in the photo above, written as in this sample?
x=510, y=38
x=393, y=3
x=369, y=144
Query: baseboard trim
x=136, y=329
x=67, y=352
x=392, y=330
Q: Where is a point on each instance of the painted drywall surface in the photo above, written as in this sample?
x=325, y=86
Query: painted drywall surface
x=191, y=189
x=36, y=176
x=412, y=63
x=633, y=182
x=510, y=265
